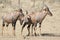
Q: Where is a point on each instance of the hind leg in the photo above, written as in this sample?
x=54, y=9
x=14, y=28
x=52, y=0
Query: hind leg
x=7, y=27
x=3, y=27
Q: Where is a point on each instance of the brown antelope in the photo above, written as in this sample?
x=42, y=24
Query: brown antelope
x=36, y=17
x=11, y=18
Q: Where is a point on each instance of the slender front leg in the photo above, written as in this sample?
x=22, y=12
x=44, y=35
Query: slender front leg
x=14, y=24
x=21, y=22
x=14, y=30
x=40, y=29
x=32, y=29
x=23, y=27
x=28, y=30
x=35, y=29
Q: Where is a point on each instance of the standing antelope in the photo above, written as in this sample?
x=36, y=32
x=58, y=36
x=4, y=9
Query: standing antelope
x=36, y=17
x=11, y=18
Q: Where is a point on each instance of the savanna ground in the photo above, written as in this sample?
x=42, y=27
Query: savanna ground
x=50, y=29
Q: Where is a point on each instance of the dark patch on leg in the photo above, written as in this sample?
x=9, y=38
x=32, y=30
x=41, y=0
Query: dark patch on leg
x=3, y=27
x=7, y=25
x=28, y=30
x=14, y=24
x=3, y=24
x=32, y=29
x=35, y=29
x=23, y=27
x=40, y=28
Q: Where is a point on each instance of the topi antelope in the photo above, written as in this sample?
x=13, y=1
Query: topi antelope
x=11, y=18
x=34, y=18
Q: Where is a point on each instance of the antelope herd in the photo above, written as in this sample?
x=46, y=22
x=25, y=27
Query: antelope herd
x=28, y=19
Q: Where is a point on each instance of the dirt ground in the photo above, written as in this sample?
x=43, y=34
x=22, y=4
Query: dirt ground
x=50, y=29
